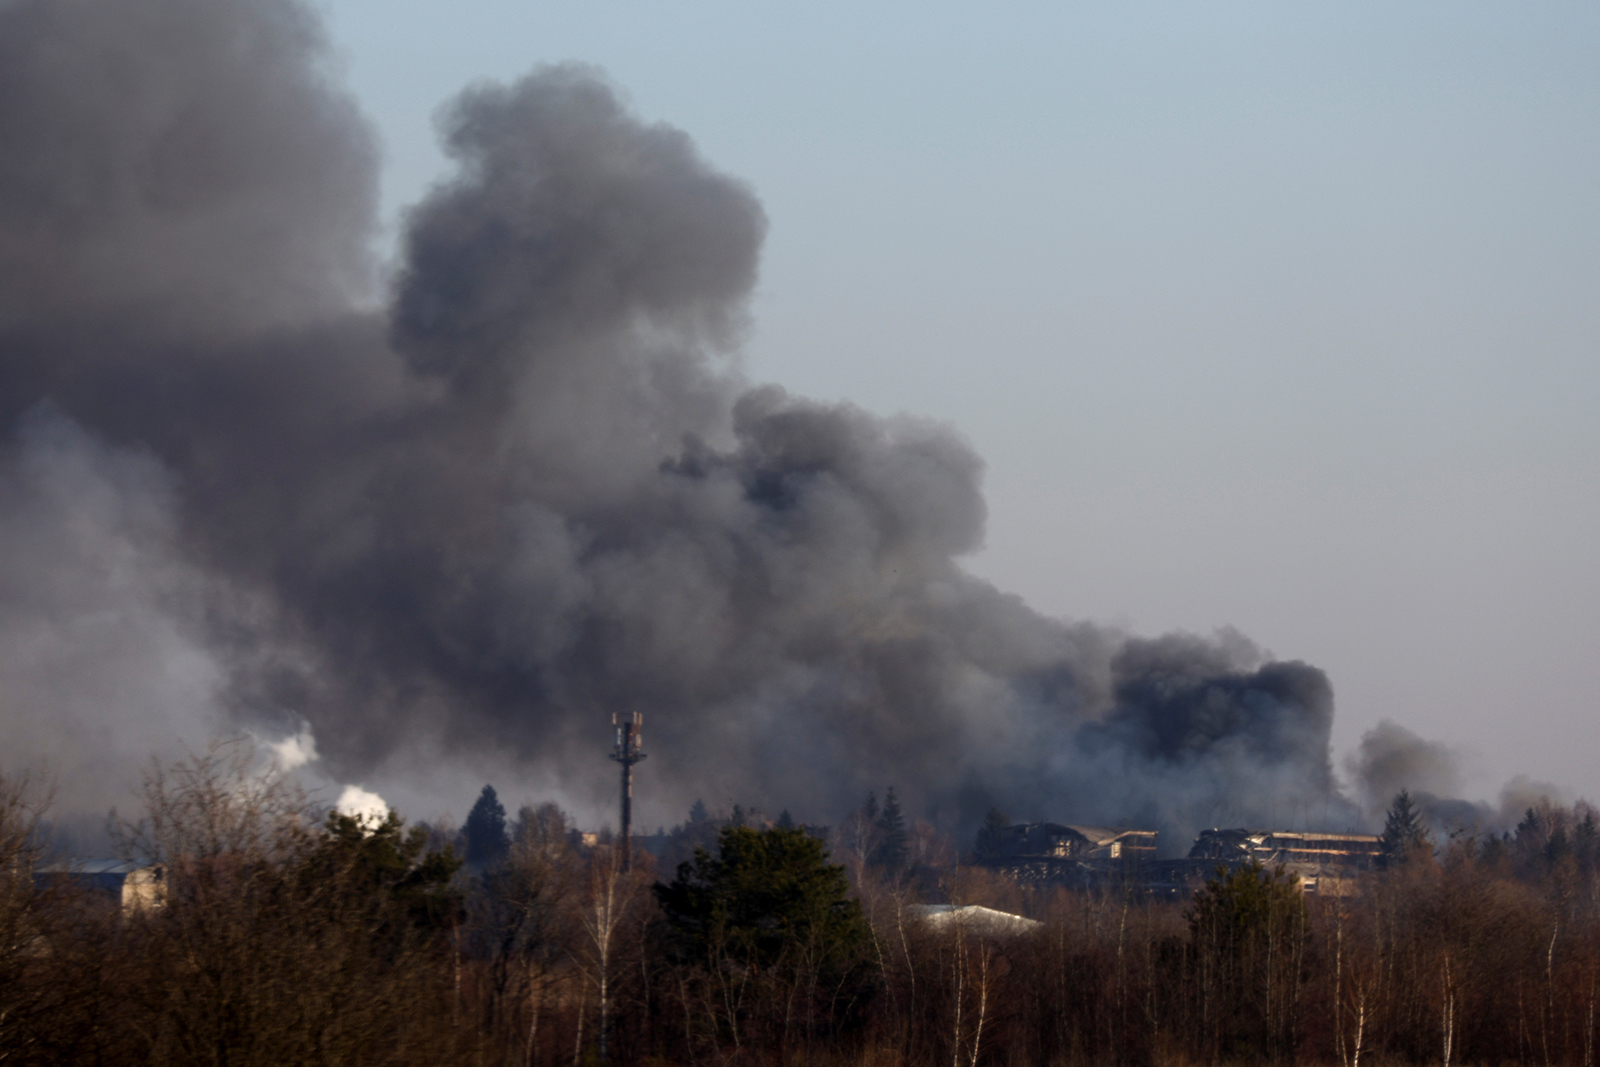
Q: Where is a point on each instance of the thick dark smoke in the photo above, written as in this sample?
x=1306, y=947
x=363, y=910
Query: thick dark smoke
x=457, y=528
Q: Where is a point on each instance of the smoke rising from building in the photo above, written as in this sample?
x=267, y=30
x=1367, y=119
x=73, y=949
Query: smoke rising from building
x=525, y=489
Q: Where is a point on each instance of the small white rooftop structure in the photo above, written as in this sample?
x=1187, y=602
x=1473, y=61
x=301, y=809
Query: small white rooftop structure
x=974, y=918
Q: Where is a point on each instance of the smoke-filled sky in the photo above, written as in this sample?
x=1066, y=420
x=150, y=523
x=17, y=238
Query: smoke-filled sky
x=1063, y=415
x=1281, y=316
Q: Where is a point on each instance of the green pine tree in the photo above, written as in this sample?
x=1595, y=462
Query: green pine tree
x=484, y=836
x=766, y=896
x=892, y=838
x=1586, y=842
x=1403, y=831
x=990, y=834
x=386, y=868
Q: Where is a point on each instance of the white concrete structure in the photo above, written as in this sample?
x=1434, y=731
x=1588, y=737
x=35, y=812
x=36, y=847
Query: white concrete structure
x=974, y=918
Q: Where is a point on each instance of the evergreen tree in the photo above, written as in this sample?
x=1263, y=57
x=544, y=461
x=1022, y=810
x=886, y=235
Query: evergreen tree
x=765, y=895
x=1494, y=851
x=990, y=834
x=1403, y=832
x=785, y=820
x=698, y=813
x=1533, y=830
x=484, y=833
x=892, y=839
x=388, y=867
x=1586, y=842
x=1557, y=848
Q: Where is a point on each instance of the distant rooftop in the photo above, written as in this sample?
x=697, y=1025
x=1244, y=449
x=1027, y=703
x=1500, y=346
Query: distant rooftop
x=973, y=917
x=92, y=867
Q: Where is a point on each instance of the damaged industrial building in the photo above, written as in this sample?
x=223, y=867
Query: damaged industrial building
x=1322, y=861
x=1070, y=855
x=1126, y=858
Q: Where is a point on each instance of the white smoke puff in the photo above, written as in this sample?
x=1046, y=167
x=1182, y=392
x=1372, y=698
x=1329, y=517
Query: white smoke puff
x=294, y=752
x=362, y=804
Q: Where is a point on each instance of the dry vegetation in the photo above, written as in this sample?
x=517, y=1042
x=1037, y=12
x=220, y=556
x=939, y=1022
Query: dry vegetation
x=289, y=939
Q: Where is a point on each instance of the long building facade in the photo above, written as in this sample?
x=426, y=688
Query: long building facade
x=1322, y=861
x=1076, y=855
x=1096, y=856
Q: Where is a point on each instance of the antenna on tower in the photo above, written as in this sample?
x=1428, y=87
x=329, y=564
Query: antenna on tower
x=629, y=750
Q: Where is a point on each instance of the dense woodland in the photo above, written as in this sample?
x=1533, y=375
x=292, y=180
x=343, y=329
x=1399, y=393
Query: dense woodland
x=292, y=936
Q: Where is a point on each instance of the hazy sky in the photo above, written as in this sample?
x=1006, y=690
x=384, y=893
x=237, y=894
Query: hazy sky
x=1280, y=317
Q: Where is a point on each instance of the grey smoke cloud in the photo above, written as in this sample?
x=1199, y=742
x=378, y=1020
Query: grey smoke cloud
x=181, y=163
x=531, y=487
x=99, y=650
x=1391, y=758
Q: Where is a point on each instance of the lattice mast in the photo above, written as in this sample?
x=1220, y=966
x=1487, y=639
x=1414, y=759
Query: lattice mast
x=629, y=751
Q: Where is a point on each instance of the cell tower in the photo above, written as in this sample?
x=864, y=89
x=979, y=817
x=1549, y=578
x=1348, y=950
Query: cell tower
x=628, y=752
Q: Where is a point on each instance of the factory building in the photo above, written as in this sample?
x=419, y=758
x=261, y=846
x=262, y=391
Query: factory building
x=1098, y=844
x=1324, y=862
x=1096, y=857
x=1081, y=855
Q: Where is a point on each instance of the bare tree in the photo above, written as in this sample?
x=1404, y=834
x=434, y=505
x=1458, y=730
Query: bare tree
x=25, y=1001
x=608, y=898
x=283, y=940
x=520, y=927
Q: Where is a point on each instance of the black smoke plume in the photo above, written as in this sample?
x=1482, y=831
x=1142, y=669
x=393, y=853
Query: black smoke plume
x=459, y=525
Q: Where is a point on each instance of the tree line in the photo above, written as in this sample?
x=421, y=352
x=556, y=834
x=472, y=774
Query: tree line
x=289, y=936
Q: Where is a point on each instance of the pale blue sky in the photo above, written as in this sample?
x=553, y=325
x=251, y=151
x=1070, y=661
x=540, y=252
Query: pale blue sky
x=1276, y=316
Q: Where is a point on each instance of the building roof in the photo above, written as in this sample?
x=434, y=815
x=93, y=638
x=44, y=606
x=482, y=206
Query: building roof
x=973, y=917
x=1099, y=835
x=1241, y=833
x=1104, y=835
